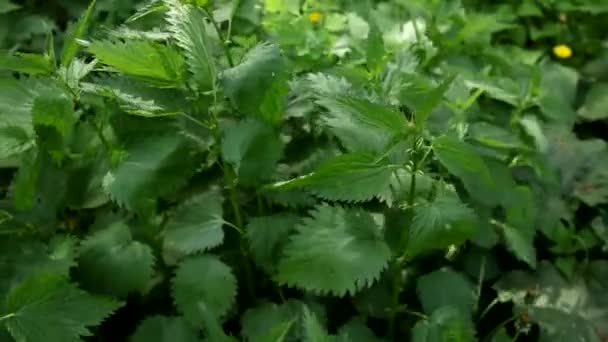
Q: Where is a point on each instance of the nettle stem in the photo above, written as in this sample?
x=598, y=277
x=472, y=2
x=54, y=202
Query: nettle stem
x=396, y=286
x=5, y=317
x=236, y=208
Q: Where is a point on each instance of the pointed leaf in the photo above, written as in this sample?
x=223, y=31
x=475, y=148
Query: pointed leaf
x=27, y=63
x=270, y=322
x=202, y=283
x=258, y=85
x=155, y=166
x=361, y=124
x=187, y=25
x=434, y=294
x=112, y=263
x=196, y=225
x=596, y=103
x=55, y=111
x=335, y=250
x=446, y=324
x=254, y=148
x=463, y=161
x=267, y=236
x=352, y=177
x=439, y=224
x=159, y=65
x=48, y=308
x=70, y=45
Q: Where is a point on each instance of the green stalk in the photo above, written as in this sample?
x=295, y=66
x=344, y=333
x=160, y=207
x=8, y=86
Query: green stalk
x=5, y=317
x=397, y=276
x=228, y=173
x=221, y=36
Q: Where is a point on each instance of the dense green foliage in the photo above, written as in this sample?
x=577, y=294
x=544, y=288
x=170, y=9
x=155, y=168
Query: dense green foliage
x=304, y=170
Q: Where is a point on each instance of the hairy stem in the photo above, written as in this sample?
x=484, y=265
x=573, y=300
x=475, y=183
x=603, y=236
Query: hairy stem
x=5, y=317
x=228, y=172
x=221, y=36
x=396, y=288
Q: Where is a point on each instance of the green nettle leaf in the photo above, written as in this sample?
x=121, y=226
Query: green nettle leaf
x=313, y=330
x=70, y=45
x=446, y=287
x=196, y=225
x=159, y=65
x=22, y=258
x=203, y=283
x=254, y=148
x=270, y=322
x=155, y=166
x=267, y=236
x=55, y=111
x=361, y=124
x=519, y=230
x=258, y=85
x=356, y=331
x=354, y=177
x=596, y=103
x=28, y=63
x=112, y=263
x=187, y=25
x=559, y=84
x=47, y=308
x=461, y=160
x=14, y=141
x=335, y=251
x=164, y=329
x=438, y=224
x=25, y=182
x=446, y=324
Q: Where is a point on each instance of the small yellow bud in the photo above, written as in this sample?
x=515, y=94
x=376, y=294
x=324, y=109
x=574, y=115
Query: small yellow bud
x=562, y=51
x=315, y=16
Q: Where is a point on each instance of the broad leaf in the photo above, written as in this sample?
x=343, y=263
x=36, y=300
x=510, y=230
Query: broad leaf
x=446, y=324
x=112, y=263
x=313, y=330
x=55, y=111
x=164, y=329
x=187, y=25
x=267, y=236
x=254, y=148
x=258, y=85
x=196, y=225
x=361, y=124
x=270, y=322
x=27, y=63
x=519, y=230
x=596, y=103
x=203, y=283
x=159, y=65
x=335, y=250
x=434, y=294
x=351, y=177
x=155, y=166
x=438, y=224
x=461, y=160
x=356, y=331
x=47, y=308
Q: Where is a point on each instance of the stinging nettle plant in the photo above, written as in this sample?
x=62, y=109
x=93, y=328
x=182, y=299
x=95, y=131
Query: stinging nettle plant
x=180, y=162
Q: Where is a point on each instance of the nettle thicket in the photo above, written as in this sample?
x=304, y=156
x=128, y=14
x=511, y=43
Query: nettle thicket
x=233, y=197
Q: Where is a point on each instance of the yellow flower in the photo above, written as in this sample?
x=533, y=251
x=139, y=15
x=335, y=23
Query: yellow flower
x=562, y=51
x=315, y=16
